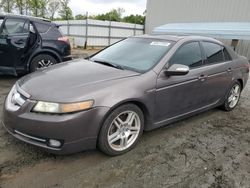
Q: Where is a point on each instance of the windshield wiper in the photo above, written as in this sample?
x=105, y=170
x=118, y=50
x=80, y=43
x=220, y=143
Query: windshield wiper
x=108, y=64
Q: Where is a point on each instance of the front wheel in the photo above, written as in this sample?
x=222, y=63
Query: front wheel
x=42, y=61
x=121, y=130
x=233, y=97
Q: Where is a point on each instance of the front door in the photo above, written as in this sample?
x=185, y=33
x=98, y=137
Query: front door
x=14, y=35
x=178, y=95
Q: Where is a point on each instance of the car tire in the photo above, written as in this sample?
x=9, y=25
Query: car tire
x=121, y=130
x=42, y=61
x=233, y=97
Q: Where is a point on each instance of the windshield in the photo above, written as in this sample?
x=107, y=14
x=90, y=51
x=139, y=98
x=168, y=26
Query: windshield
x=137, y=54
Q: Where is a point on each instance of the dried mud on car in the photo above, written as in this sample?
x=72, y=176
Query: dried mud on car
x=208, y=150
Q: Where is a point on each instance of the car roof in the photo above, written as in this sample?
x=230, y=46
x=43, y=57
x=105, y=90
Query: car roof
x=31, y=18
x=177, y=38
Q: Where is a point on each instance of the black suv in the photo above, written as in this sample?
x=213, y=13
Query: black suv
x=28, y=44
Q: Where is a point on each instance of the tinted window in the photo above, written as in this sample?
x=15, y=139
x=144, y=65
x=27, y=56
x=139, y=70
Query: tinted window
x=138, y=54
x=15, y=26
x=214, y=52
x=42, y=28
x=189, y=54
x=226, y=55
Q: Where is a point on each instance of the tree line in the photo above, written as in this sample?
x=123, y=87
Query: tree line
x=60, y=10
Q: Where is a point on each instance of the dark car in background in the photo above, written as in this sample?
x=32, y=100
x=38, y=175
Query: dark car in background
x=138, y=84
x=29, y=43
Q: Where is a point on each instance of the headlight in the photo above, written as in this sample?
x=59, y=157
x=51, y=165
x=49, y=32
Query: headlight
x=57, y=108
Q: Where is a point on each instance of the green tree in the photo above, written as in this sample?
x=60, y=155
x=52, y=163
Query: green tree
x=113, y=15
x=7, y=5
x=20, y=5
x=35, y=7
x=54, y=6
x=137, y=19
x=65, y=12
x=80, y=17
x=43, y=8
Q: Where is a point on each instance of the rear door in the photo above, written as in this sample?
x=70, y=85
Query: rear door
x=14, y=35
x=217, y=72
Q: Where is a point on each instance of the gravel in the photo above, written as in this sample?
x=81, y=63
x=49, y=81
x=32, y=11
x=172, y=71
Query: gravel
x=208, y=150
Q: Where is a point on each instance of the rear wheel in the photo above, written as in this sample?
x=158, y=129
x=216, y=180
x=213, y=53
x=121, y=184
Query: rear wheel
x=42, y=61
x=121, y=130
x=233, y=97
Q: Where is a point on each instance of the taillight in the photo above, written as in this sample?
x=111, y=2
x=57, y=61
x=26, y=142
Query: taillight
x=64, y=39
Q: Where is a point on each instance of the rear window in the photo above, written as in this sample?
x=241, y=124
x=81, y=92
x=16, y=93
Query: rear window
x=213, y=52
x=42, y=28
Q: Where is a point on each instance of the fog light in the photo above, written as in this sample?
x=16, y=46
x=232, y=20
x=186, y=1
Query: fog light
x=54, y=143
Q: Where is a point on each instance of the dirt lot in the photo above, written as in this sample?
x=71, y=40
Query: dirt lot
x=208, y=150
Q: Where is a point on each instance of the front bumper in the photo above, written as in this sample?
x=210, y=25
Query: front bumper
x=77, y=132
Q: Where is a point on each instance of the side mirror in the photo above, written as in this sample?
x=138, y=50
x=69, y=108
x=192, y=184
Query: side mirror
x=177, y=70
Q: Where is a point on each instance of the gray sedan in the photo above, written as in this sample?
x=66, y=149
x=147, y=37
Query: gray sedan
x=138, y=84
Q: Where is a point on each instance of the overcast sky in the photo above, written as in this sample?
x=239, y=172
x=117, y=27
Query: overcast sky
x=103, y=6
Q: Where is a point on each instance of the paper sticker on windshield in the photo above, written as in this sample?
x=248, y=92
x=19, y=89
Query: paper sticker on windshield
x=160, y=43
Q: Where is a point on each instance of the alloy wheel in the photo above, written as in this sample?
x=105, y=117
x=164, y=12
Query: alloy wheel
x=234, y=96
x=124, y=130
x=44, y=64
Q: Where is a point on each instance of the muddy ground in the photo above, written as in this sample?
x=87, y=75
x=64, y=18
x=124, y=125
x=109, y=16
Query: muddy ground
x=208, y=150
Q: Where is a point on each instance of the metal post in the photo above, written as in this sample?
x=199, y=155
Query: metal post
x=86, y=33
x=68, y=27
x=109, y=32
x=135, y=28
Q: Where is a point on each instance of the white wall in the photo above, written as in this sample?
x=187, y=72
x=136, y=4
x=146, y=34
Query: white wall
x=99, y=33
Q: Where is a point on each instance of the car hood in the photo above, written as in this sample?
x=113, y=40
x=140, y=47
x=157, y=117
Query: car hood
x=67, y=82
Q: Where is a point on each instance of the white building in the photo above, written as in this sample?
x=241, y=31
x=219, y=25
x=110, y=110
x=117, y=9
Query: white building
x=160, y=12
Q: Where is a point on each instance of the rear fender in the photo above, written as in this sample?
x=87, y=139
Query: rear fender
x=43, y=51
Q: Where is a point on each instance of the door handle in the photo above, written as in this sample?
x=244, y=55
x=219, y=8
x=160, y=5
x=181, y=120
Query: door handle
x=202, y=78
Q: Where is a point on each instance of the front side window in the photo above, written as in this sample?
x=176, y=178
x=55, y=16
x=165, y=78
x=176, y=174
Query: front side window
x=137, y=54
x=213, y=52
x=188, y=54
x=15, y=26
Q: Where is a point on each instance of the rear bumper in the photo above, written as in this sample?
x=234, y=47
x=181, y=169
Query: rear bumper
x=77, y=132
x=67, y=58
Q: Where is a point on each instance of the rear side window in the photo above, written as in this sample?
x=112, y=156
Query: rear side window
x=213, y=52
x=42, y=28
x=227, y=56
x=188, y=54
x=15, y=26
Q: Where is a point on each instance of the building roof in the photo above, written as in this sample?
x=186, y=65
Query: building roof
x=221, y=30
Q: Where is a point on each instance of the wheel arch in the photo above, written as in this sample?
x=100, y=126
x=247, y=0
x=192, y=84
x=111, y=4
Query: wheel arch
x=241, y=83
x=46, y=51
x=138, y=103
